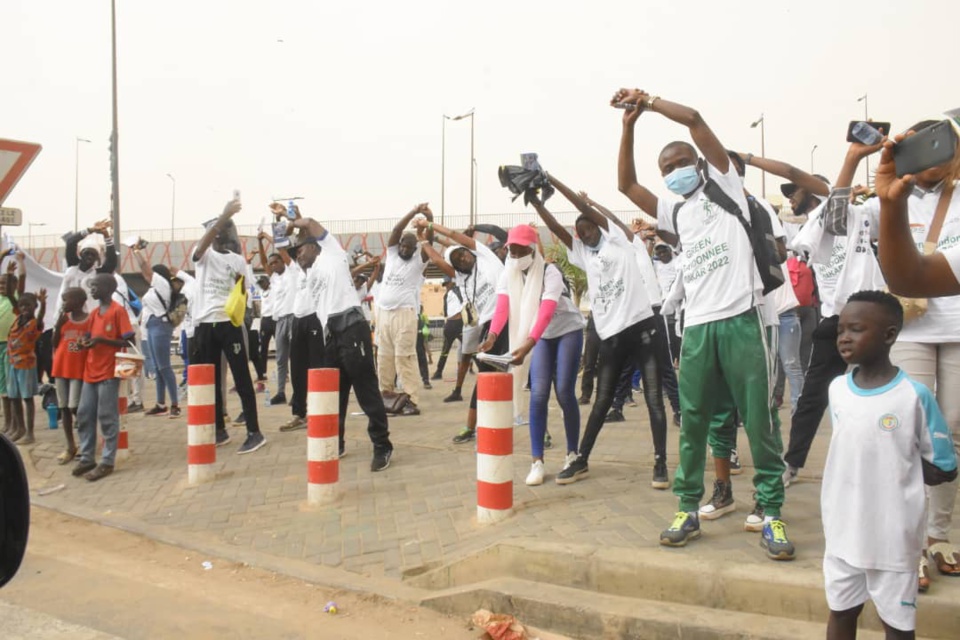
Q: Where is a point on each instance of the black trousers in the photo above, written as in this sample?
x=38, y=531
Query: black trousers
x=422, y=358
x=452, y=329
x=351, y=351
x=500, y=347
x=635, y=346
x=253, y=338
x=591, y=350
x=210, y=341
x=809, y=319
x=306, y=352
x=668, y=375
x=268, y=327
x=825, y=365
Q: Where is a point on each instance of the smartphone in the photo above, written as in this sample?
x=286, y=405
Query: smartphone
x=865, y=132
x=930, y=147
x=236, y=194
x=291, y=212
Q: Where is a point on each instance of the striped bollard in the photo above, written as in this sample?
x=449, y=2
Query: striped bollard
x=323, y=435
x=494, y=447
x=201, y=423
x=123, y=442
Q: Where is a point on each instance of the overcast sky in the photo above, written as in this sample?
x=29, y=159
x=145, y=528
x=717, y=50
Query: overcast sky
x=342, y=102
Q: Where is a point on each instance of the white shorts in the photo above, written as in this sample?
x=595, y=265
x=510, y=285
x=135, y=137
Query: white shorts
x=470, y=339
x=68, y=393
x=894, y=593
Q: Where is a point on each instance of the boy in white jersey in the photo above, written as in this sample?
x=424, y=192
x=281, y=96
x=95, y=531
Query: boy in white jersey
x=724, y=356
x=889, y=439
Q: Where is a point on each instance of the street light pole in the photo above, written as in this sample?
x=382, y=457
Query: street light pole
x=443, y=166
x=115, y=135
x=866, y=117
x=173, y=205
x=811, y=157
x=763, y=152
x=472, y=159
x=76, y=186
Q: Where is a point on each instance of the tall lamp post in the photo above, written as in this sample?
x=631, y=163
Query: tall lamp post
x=173, y=204
x=811, y=157
x=763, y=152
x=76, y=185
x=461, y=117
x=443, y=166
x=115, y=135
x=866, y=117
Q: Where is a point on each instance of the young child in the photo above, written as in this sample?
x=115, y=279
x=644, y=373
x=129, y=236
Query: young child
x=11, y=288
x=109, y=331
x=22, y=372
x=69, y=360
x=889, y=438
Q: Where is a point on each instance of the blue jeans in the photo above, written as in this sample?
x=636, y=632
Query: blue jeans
x=98, y=401
x=184, y=355
x=789, y=352
x=159, y=335
x=149, y=366
x=555, y=361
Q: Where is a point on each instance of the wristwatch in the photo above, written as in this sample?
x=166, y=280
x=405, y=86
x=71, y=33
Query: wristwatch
x=749, y=158
x=650, y=101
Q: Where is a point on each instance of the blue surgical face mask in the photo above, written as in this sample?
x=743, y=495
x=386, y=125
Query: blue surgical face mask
x=683, y=180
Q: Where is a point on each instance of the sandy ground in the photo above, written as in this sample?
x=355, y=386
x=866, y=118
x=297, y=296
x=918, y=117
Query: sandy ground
x=82, y=580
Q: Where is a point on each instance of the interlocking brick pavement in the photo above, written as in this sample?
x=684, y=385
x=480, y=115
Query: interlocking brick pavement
x=419, y=513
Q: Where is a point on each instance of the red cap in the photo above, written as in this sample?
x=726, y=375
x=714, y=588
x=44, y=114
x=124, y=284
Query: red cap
x=523, y=235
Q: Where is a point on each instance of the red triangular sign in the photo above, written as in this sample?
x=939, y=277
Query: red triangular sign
x=15, y=159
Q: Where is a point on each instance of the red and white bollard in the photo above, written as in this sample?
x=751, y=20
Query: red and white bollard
x=494, y=447
x=323, y=435
x=123, y=441
x=201, y=423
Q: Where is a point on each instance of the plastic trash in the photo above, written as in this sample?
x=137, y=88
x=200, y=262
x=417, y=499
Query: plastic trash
x=207, y=565
x=499, y=626
x=331, y=608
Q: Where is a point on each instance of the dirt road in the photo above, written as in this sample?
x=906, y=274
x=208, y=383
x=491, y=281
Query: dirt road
x=83, y=580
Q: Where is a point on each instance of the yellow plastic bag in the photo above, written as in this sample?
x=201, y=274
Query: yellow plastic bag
x=236, y=306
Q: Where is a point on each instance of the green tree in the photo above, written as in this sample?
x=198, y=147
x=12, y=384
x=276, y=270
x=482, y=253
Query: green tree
x=576, y=277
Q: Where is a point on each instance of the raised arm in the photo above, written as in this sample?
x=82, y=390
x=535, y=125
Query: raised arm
x=313, y=228
x=456, y=236
x=42, y=297
x=366, y=266
x=402, y=224
x=627, y=170
x=703, y=137
x=799, y=177
x=589, y=212
x=229, y=210
x=493, y=230
x=609, y=215
x=145, y=268
x=261, y=237
x=109, y=252
x=22, y=279
x=906, y=270
x=555, y=227
x=437, y=259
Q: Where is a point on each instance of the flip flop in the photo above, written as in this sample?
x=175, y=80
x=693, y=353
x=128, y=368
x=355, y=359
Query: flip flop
x=945, y=557
x=66, y=457
x=923, y=577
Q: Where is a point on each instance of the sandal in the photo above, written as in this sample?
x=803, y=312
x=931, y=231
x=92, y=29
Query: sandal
x=923, y=577
x=66, y=456
x=945, y=556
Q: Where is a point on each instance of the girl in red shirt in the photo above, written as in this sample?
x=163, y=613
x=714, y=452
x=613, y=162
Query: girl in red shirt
x=68, y=362
x=22, y=371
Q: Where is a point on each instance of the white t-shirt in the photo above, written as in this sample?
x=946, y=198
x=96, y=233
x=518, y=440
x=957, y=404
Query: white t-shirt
x=618, y=298
x=648, y=272
x=941, y=322
x=782, y=298
x=121, y=297
x=402, y=280
x=330, y=278
x=453, y=303
x=480, y=286
x=719, y=270
x=666, y=274
x=267, y=300
x=827, y=254
x=74, y=277
x=152, y=305
x=216, y=276
x=305, y=292
x=566, y=317
x=284, y=288
x=872, y=498
x=189, y=291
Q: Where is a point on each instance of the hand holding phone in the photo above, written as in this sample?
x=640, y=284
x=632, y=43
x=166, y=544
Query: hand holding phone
x=867, y=132
x=929, y=148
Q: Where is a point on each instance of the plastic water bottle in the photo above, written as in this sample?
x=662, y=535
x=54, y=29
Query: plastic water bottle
x=52, y=413
x=266, y=396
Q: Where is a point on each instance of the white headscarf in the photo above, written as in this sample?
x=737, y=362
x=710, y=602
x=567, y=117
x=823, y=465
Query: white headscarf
x=525, y=289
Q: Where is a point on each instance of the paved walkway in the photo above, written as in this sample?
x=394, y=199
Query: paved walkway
x=420, y=512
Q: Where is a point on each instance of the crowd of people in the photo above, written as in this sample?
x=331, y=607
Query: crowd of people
x=715, y=309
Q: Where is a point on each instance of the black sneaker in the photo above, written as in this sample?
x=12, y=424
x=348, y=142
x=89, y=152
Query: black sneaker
x=721, y=503
x=676, y=418
x=241, y=419
x=134, y=407
x=157, y=411
x=466, y=435
x=381, y=459
x=454, y=396
x=578, y=470
x=280, y=398
x=754, y=521
x=254, y=441
x=584, y=400
x=223, y=438
x=437, y=376
x=684, y=528
x=615, y=415
x=661, y=480
x=343, y=451
x=427, y=385
x=735, y=468
x=101, y=471
x=174, y=412
x=83, y=467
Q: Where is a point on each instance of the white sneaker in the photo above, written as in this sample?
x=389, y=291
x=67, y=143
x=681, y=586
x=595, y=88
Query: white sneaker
x=535, y=477
x=569, y=459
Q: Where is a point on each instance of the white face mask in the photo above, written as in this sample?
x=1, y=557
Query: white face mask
x=522, y=263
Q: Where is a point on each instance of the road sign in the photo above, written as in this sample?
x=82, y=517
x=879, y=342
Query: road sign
x=15, y=159
x=10, y=217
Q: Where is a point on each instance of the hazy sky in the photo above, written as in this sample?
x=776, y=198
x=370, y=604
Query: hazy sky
x=346, y=110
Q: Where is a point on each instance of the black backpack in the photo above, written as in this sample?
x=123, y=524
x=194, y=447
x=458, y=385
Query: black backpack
x=759, y=231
